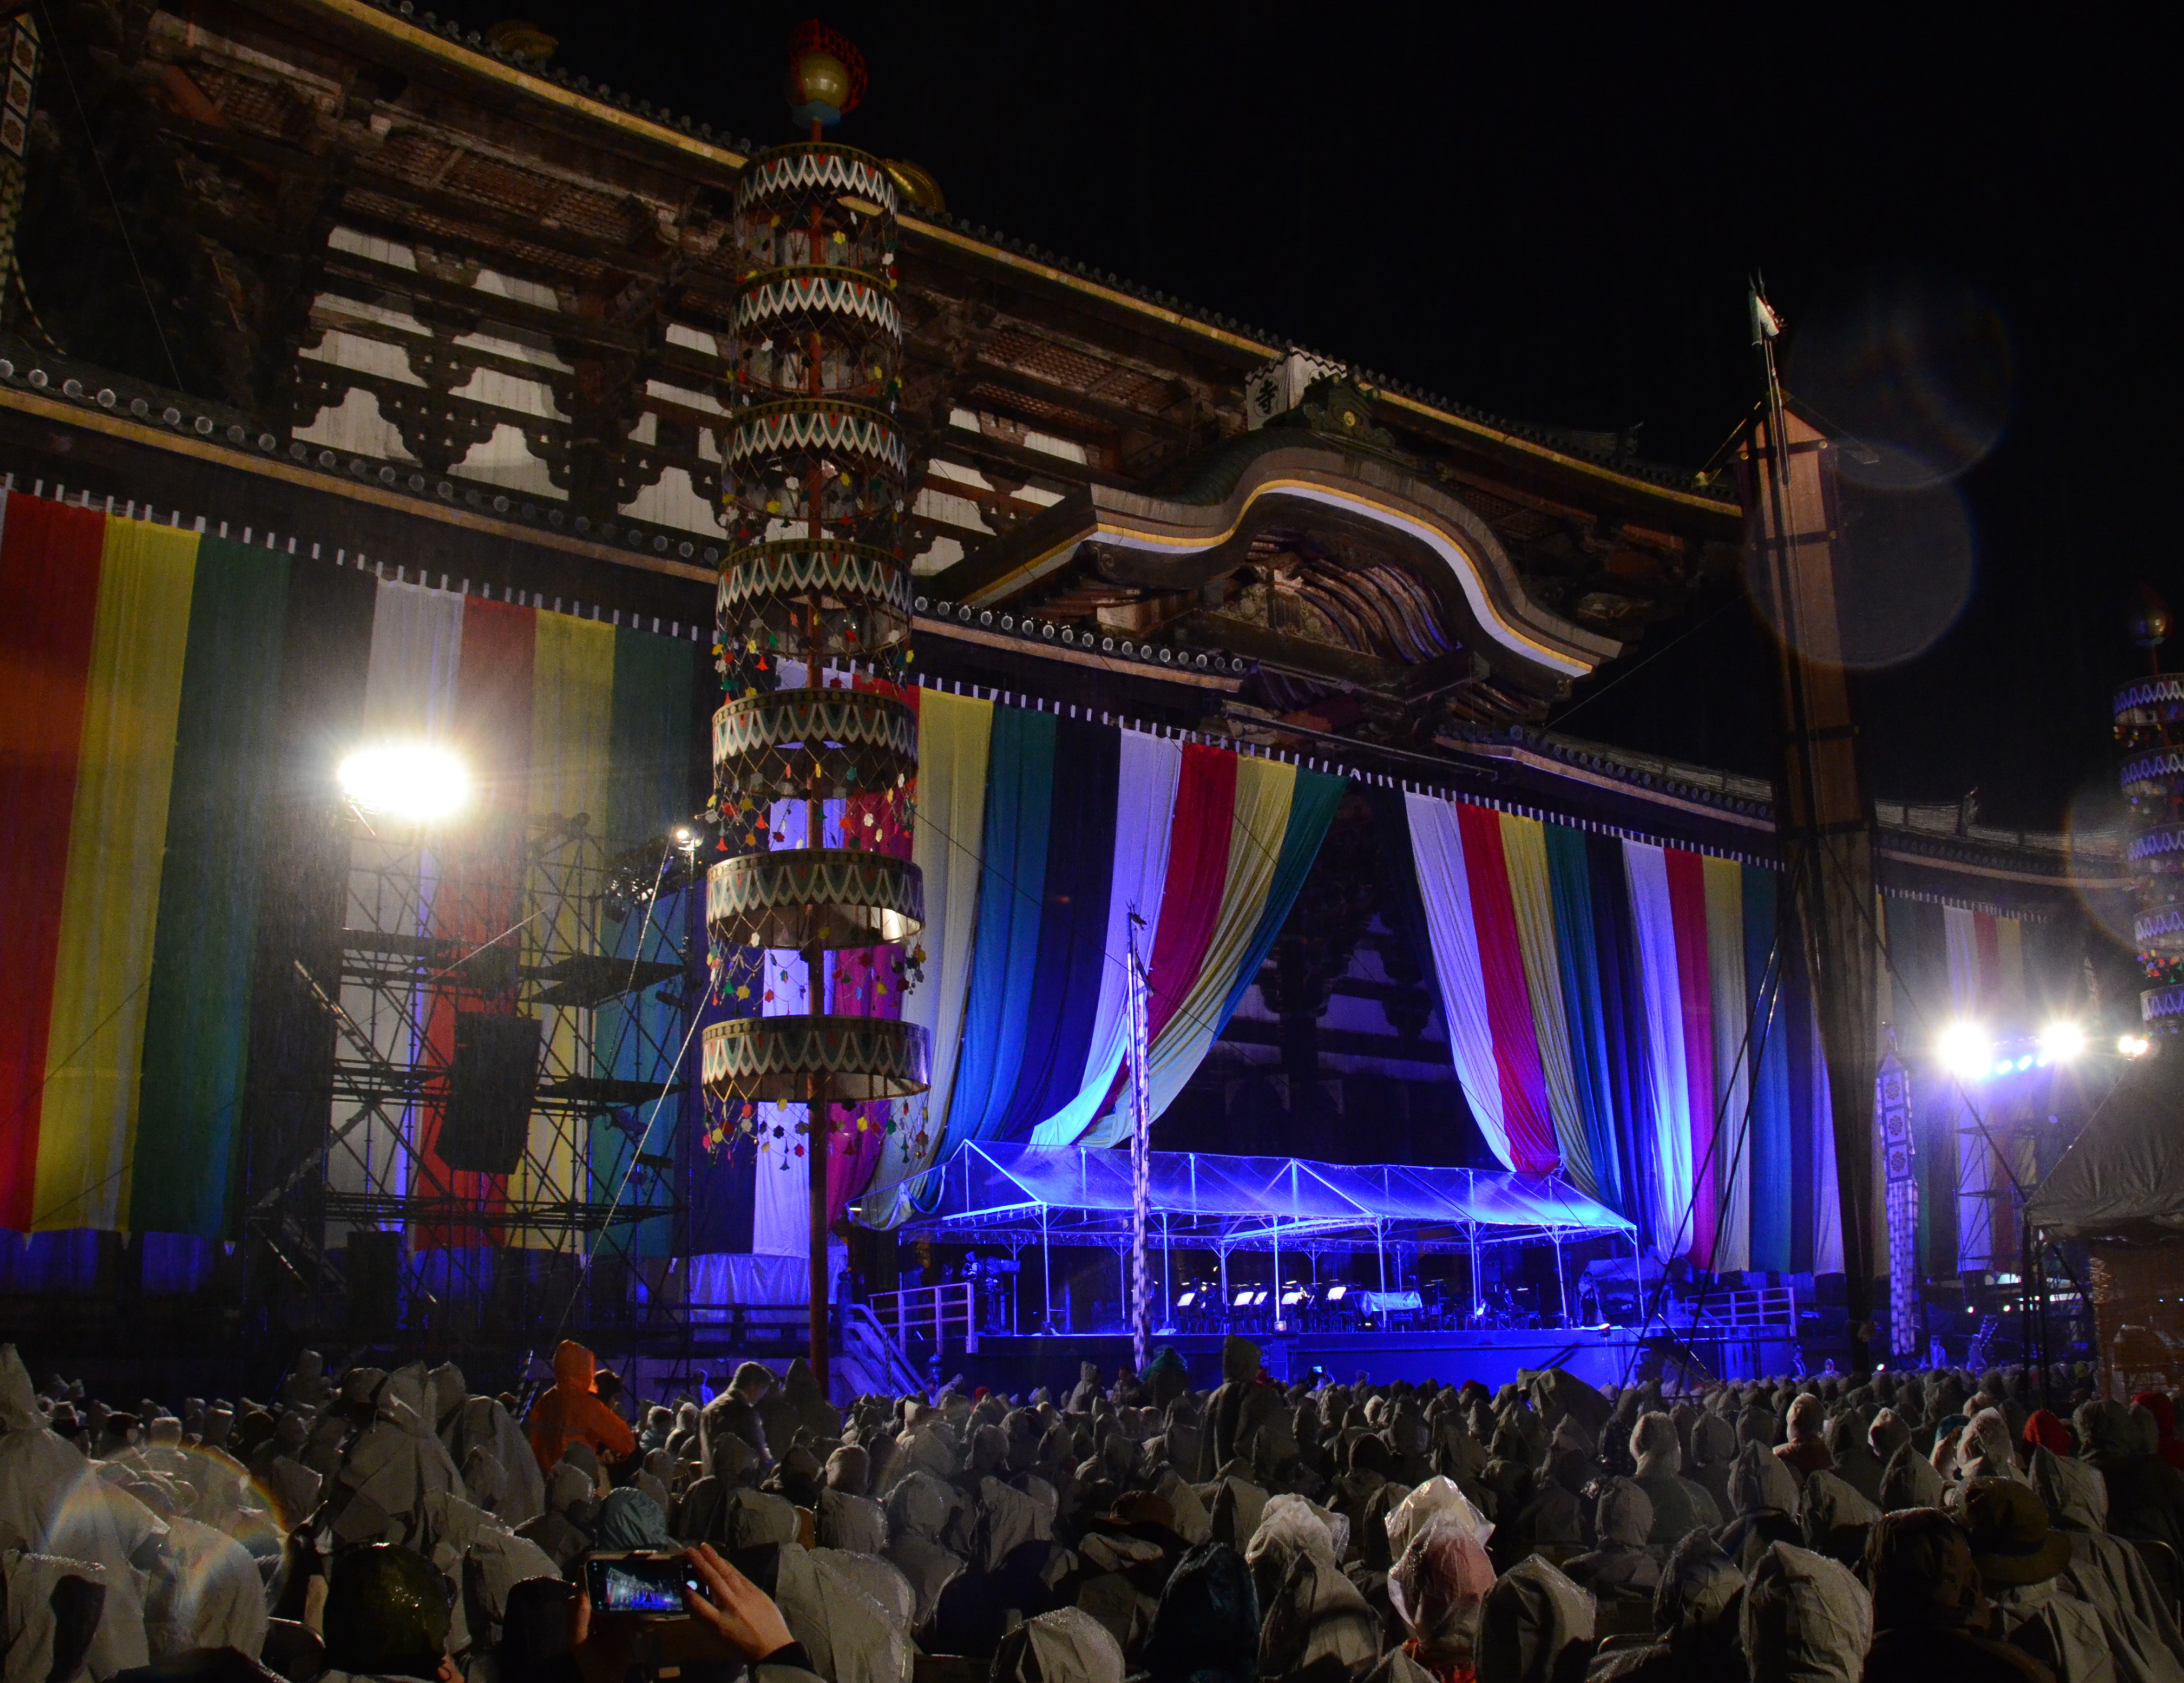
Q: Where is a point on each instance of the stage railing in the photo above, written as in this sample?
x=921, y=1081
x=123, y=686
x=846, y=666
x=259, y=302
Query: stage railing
x=932, y=1314
x=864, y=1337
x=1766, y=1306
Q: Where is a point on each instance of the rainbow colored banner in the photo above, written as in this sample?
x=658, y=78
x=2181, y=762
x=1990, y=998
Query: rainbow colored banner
x=142, y=669
x=1619, y=1013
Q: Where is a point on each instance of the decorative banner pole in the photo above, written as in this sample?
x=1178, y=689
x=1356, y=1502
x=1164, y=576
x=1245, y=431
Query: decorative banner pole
x=1891, y=1107
x=1141, y=1162
x=813, y=472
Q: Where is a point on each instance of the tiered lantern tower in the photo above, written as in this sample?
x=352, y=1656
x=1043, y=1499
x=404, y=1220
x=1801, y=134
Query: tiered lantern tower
x=2149, y=722
x=814, y=472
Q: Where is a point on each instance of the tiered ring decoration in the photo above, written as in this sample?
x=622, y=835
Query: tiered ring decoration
x=794, y=742
x=862, y=597
x=815, y=472
x=799, y=897
x=2149, y=722
x=782, y=1059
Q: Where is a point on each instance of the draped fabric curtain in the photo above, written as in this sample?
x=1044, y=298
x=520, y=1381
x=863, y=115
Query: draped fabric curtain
x=955, y=746
x=1531, y=894
x=1581, y=955
x=1665, y=1113
x=1735, y=1038
x=1149, y=769
x=1772, y=1174
x=1484, y=1001
x=142, y=672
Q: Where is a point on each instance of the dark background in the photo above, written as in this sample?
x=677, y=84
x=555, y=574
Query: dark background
x=1550, y=213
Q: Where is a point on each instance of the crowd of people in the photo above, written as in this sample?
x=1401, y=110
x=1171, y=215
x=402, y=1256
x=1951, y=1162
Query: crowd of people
x=372, y=1524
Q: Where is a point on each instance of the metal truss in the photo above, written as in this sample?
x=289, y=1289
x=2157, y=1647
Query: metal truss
x=514, y=915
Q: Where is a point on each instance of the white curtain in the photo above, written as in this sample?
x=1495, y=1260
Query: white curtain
x=1975, y=1209
x=1669, y=1186
x=408, y=700
x=1152, y=767
x=1437, y=851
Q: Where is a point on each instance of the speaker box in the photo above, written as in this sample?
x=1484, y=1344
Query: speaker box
x=374, y=1269
x=493, y=1082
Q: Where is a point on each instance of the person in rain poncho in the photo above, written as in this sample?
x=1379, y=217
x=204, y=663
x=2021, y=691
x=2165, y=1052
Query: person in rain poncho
x=391, y=1466
x=1438, y=1589
x=52, y=1608
x=1679, y=1506
x=386, y=1617
x=1066, y=1646
x=1697, y=1615
x=1806, y=1619
x=1207, y=1628
x=2020, y=1562
x=1312, y=1614
x=1535, y=1626
x=570, y=1412
x=2107, y=1573
x=52, y=1502
x=1927, y=1608
x=1624, y=1566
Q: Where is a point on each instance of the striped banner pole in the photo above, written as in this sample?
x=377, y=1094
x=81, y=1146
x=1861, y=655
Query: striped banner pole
x=1141, y=1122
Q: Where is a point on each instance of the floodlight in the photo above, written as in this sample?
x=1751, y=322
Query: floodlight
x=2062, y=1041
x=2133, y=1045
x=1964, y=1049
x=405, y=780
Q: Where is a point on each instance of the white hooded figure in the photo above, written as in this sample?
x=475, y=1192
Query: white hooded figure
x=206, y=1593
x=52, y=1502
x=394, y=1465
x=48, y=1600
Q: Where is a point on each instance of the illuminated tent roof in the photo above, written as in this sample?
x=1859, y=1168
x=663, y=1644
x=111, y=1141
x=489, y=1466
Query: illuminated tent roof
x=1077, y=1194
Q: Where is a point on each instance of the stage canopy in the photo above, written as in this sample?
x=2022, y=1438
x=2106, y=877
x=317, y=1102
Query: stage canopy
x=996, y=1194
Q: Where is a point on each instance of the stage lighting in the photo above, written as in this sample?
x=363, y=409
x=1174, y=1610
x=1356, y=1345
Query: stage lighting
x=1965, y=1051
x=2062, y=1041
x=408, y=780
x=2133, y=1045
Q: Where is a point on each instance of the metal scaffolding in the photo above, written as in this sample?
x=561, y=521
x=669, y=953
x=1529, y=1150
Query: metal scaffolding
x=511, y=916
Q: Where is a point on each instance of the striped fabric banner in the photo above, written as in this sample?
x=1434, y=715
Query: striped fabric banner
x=1056, y=828
x=556, y=718
x=143, y=665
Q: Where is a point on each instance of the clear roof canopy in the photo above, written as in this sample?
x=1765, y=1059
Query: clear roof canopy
x=991, y=1192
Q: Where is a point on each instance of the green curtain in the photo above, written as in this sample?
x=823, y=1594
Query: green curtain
x=197, y=1028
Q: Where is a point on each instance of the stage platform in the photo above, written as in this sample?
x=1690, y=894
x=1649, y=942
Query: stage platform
x=1599, y=1356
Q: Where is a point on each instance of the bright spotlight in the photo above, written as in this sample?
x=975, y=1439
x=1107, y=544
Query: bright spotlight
x=406, y=781
x=2062, y=1041
x=2133, y=1045
x=1964, y=1049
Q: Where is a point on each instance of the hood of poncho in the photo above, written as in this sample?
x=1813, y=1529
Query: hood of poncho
x=1806, y=1618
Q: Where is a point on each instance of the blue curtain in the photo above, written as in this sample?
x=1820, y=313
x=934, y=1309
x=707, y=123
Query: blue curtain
x=1578, y=956
x=1055, y=1027
x=1012, y=897
x=1773, y=1175
x=1628, y=1064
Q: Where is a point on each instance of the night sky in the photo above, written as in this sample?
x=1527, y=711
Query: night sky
x=1549, y=214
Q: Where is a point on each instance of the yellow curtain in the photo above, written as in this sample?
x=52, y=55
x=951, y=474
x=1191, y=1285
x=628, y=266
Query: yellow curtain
x=955, y=738
x=571, y=715
x=110, y=904
x=1525, y=851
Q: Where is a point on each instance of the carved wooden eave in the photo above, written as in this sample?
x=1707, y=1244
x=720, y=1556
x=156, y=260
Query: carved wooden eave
x=414, y=262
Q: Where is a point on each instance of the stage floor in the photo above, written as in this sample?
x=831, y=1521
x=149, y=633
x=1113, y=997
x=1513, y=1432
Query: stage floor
x=1599, y=1356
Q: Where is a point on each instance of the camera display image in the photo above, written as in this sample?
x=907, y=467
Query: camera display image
x=640, y=1584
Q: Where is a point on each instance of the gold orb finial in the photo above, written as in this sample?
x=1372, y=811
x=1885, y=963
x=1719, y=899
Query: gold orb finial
x=826, y=74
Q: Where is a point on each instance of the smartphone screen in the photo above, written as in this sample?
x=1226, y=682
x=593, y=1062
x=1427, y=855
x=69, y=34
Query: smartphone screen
x=646, y=1584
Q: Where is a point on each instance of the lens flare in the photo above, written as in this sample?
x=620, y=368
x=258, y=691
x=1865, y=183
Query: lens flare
x=1966, y=1049
x=406, y=780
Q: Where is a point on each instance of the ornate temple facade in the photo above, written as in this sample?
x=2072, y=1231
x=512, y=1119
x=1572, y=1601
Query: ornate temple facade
x=343, y=277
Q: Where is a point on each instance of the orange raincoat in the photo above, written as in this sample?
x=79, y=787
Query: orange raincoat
x=571, y=1412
